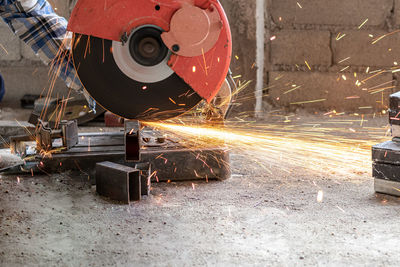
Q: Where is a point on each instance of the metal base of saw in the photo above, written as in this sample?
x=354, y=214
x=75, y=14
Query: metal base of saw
x=169, y=160
x=121, y=164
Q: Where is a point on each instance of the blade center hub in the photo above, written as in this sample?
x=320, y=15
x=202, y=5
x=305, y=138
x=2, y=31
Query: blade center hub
x=146, y=46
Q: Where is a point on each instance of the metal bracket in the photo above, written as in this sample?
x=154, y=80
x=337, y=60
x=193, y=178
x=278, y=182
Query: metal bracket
x=68, y=132
x=45, y=136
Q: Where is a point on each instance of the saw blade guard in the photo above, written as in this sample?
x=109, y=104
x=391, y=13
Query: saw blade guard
x=196, y=33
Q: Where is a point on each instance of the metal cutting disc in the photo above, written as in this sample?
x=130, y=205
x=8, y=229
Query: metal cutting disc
x=132, y=79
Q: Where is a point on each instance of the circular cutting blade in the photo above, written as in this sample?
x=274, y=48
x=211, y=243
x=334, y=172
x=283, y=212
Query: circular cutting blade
x=119, y=93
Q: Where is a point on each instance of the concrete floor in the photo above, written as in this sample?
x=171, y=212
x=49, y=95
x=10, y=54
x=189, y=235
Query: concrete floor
x=253, y=219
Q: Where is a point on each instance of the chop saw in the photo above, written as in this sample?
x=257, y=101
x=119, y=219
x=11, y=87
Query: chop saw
x=142, y=60
x=151, y=59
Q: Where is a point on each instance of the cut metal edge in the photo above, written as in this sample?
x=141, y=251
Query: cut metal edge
x=387, y=187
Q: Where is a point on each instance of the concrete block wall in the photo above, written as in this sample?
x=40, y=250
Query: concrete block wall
x=241, y=16
x=332, y=52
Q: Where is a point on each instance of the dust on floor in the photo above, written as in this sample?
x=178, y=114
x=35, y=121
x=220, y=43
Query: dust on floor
x=256, y=218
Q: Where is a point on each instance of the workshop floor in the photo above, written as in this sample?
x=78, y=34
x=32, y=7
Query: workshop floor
x=253, y=219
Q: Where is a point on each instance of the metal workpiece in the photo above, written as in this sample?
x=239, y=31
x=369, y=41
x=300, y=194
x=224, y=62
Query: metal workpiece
x=145, y=177
x=125, y=184
x=124, y=164
x=118, y=182
x=44, y=134
x=133, y=141
x=169, y=160
x=46, y=138
x=184, y=164
x=69, y=133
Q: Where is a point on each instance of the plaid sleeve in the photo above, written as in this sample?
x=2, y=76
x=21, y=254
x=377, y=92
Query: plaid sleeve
x=35, y=22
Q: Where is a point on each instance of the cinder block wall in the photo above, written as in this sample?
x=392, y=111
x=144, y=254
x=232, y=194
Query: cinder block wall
x=241, y=16
x=322, y=35
x=348, y=64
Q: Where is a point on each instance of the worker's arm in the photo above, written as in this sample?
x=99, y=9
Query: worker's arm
x=36, y=23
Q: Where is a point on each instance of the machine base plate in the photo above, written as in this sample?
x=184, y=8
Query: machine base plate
x=169, y=161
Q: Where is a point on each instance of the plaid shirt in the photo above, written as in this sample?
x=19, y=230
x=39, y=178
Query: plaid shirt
x=35, y=23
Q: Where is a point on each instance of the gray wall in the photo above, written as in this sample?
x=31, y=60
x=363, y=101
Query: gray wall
x=342, y=55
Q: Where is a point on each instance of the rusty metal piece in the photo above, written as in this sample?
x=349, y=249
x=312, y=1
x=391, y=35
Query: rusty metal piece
x=145, y=177
x=184, y=164
x=68, y=132
x=193, y=31
x=118, y=182
x=44, y=136
x=133, y=141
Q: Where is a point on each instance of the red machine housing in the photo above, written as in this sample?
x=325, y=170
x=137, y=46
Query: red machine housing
x=111, y=19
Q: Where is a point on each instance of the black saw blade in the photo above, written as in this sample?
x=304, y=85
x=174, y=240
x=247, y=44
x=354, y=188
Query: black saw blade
x=120, y=94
